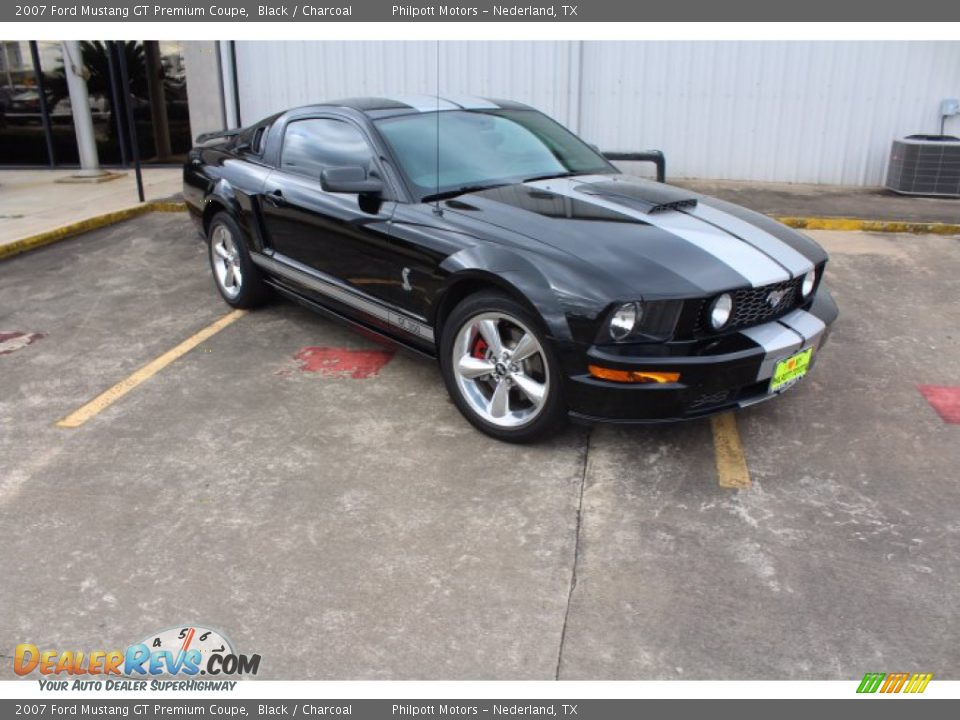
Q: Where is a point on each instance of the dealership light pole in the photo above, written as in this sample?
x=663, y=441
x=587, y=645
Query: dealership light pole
x=80, y=105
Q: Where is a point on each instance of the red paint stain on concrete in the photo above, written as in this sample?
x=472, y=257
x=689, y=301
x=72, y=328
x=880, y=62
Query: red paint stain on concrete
x=12, y=341
x=340, y=362
x=944, y=399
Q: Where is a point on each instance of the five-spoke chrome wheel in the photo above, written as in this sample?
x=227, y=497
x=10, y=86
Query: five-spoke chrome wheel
x=500, y=369
x=225, y=258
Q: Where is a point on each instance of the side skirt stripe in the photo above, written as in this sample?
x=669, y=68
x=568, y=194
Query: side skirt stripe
x=294, y=271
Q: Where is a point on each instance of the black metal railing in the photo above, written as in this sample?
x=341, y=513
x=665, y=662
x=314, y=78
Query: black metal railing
x=654, y=156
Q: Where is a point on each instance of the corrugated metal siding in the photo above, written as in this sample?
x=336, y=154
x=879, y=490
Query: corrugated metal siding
x=277, y=75
x=819, y=112
x=779, y=111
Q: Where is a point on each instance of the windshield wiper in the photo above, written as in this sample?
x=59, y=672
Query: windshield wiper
x=462, y=190
x=553, y=176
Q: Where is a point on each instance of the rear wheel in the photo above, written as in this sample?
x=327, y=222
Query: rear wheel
x=499, y=369
x=237, y=278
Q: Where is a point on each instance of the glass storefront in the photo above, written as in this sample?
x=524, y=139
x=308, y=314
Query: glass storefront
x=158, y=99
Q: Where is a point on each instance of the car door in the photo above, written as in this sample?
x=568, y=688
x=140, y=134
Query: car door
x=342, y=235
x=306, y=225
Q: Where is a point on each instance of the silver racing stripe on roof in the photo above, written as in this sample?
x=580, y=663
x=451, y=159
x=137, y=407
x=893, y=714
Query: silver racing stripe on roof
x=468, y=102
x=754, y=266
x=423, y=103
x=773, y=246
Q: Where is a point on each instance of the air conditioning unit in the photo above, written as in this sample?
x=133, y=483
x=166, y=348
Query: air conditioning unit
x=925, y=165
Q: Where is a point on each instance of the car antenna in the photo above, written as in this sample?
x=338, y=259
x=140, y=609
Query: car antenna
x=436, y=207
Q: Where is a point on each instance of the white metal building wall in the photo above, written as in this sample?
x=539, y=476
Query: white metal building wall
x=277, y=75
x=821, y=112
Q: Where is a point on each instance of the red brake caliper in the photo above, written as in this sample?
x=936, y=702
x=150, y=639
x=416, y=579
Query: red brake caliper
x=479, y=348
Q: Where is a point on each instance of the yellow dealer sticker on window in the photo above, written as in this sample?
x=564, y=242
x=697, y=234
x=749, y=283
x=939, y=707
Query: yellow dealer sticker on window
x=788, y=371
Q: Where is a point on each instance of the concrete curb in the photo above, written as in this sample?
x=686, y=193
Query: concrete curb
x=804, y=223
x=63, y=232
x=887, y=226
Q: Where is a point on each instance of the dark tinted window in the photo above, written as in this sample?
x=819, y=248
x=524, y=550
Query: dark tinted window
x=309, y=146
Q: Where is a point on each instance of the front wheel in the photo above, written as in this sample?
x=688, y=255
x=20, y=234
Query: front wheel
x=499, y=369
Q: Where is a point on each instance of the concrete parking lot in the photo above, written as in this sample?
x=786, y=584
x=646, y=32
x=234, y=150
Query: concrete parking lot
x=325, y=505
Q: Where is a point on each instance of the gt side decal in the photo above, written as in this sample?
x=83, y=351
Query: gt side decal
x=296, y=272
x=757, y=268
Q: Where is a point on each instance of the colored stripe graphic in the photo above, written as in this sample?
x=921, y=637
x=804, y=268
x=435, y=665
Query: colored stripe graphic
x=871, y=682
x=918, y=683
x=894, y=683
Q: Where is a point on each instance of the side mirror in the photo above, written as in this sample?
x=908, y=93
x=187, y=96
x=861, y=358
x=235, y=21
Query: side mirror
x=350, y=180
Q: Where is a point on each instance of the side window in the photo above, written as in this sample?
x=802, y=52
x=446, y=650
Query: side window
x=309, y=146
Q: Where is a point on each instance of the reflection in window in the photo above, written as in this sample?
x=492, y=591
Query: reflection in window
x=158, y=100
x=309, y=146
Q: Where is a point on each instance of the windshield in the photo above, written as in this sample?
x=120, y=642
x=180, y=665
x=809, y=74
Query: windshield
x=484, y=148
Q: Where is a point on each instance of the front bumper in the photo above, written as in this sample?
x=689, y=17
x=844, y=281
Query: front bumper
x=713, y=378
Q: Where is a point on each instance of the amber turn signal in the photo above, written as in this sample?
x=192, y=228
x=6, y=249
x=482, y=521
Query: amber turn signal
x=633, y=376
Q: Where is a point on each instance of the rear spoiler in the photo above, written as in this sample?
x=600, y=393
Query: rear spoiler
x=219, y=135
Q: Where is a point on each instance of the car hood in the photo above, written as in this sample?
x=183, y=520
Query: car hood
x=648, y=237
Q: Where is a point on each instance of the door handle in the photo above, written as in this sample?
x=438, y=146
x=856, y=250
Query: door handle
x=275, y=198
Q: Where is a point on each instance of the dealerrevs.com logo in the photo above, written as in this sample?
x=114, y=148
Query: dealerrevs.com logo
x=166, y=659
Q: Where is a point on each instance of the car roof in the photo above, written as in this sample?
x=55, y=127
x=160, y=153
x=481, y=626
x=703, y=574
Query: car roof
x=377, y=107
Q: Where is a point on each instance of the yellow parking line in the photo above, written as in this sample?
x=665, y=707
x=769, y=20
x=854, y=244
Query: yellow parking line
x=731, y=464
x=108, y=397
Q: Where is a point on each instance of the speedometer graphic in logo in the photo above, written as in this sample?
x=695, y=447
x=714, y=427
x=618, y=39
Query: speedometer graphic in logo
x=186, y=650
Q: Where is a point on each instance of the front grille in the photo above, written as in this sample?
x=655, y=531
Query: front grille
x=752, y=306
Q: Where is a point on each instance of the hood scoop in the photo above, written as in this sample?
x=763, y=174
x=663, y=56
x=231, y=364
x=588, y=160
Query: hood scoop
x=648, y=197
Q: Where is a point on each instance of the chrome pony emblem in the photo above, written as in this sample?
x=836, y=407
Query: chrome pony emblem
x=775, y=297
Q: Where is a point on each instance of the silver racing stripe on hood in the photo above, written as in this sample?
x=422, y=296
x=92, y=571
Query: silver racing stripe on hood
x=776, y=248
x=756, y=267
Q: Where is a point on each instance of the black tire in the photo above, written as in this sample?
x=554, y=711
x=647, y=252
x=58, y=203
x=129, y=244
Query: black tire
x=251, y=290
x=468, y=394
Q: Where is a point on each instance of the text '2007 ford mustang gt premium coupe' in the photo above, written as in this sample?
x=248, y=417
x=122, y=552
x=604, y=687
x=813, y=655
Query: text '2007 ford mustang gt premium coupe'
x=547, y=283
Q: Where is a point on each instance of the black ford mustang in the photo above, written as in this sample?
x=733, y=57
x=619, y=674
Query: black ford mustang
x=484, y=234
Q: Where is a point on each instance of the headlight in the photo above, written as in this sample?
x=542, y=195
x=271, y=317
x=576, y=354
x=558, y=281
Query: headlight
x=809, y=280
x=720, y=311
x=624, y=319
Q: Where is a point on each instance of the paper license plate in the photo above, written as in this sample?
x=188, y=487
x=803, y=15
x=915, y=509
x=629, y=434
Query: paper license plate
x=790, y=370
